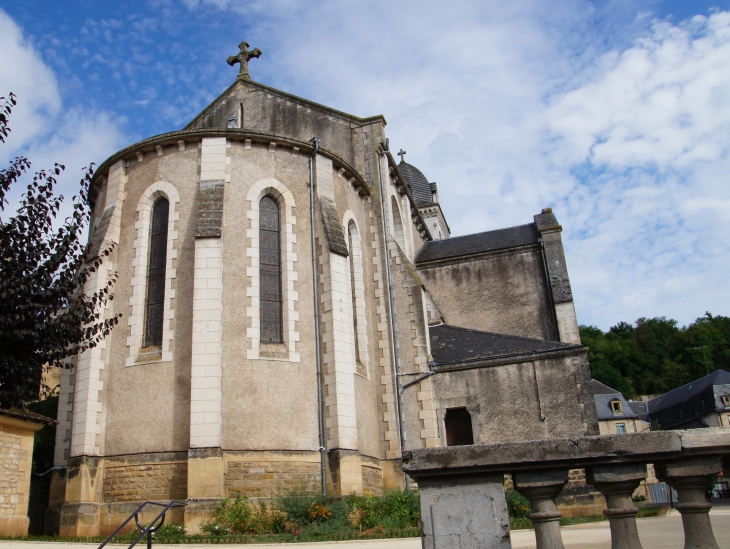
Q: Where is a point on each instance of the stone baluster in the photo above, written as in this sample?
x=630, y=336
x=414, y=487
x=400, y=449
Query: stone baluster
x=542, y=489
x=617, y=483
x=691, y=479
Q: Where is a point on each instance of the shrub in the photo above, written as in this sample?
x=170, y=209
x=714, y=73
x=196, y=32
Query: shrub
x=394, y=510
x=518, y=506
x=242, y=517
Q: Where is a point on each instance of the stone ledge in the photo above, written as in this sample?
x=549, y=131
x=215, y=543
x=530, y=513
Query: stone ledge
x=574, y=453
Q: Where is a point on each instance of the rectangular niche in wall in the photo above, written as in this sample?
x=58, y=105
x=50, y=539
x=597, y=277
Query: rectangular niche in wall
x=458, y=427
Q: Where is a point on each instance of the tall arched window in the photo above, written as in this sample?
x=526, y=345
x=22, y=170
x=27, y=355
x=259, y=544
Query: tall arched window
x=156, y=274
x=270, y=270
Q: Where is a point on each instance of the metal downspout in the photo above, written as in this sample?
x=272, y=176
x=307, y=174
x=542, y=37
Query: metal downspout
x=315, y=284
x=393, y=316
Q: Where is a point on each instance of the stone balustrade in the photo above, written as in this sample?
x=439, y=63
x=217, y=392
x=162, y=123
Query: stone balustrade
x=462, y=496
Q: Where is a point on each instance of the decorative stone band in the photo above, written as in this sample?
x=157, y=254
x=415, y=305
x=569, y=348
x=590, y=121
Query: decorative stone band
x=692, y=507
x=545, y=517
x=622, y=512
x=209, y=220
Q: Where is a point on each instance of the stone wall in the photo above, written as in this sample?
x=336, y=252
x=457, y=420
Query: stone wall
x=508, y=285
x=372, y=476
x=12, y=459
x=16, y=454
x=263, y=474
x=145, y=481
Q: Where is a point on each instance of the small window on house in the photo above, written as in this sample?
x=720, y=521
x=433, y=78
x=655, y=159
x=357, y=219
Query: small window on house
x=156, y=274
x=616, y=407
x=620, y=428
x=458, y=427
x=726, y=400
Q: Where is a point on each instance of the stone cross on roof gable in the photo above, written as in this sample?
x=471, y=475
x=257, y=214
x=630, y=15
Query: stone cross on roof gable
x=402, y=155
x=243, y=57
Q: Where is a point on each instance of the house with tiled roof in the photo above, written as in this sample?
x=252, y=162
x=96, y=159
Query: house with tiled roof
x=615, y=414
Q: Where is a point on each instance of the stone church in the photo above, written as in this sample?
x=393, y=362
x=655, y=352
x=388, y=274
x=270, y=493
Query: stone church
x=296, y=311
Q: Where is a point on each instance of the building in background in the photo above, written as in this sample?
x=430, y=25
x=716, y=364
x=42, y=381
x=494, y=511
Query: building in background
x=702, y=403
x=615, y=414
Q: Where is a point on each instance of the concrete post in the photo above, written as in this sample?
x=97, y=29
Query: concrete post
x=691, y=478
x=542, y=489
x=617, y=483
x=464, y=511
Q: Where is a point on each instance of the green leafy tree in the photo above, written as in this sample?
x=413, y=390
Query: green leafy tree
x=45, y=316
x=654, y=355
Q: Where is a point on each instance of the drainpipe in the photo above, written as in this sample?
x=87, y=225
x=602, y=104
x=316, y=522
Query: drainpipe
x=393, y=316
x=315, y=284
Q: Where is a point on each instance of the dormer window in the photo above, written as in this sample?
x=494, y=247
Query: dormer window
x=725, y=400
x=616, y=407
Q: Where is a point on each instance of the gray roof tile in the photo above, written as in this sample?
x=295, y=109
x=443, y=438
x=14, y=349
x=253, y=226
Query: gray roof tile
x=417, y=183
x=454, y=345
x=511, y=237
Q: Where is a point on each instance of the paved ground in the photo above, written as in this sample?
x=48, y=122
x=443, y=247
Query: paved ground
x=655, y=533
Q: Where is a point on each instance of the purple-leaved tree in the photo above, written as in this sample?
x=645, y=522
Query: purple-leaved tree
x=45, y=316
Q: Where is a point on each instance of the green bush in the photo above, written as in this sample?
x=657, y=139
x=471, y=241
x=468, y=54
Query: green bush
x=394, y=510
x=517, y=505
x=308, y=514
x=241, y=517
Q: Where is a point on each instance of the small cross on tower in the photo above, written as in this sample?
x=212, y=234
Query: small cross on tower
x=402, y=154
x=243, y=58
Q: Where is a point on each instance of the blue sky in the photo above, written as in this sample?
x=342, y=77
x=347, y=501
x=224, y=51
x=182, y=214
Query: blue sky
x=612, y=112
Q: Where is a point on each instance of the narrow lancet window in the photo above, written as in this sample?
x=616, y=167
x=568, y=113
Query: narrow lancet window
x=270, y=270
x=353, y=288
x=156, y=274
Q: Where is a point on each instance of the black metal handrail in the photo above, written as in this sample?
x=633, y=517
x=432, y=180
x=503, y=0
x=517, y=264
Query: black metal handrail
x=150, y=528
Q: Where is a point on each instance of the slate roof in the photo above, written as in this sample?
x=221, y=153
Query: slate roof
x=417, y=183
x=501, y=239
x=454, y=345
x=602, y=389
x=685, y=392
x=27, y=415
x=640, y=409
x=604, y=410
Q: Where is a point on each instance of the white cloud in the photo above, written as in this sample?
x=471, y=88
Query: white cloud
x=622, y=128
x=42, y=128
x=511, y=109
x=24, y=73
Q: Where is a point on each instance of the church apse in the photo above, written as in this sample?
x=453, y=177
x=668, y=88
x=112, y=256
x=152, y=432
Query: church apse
x=230, y=399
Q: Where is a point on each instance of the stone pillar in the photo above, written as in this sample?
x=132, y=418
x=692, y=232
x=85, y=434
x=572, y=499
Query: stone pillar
x=84, y=495
x=617, y=483
x=550, y=229
x=542, y=489
x=691, y=478
x=464, y=511
x=338, y=339
x=205, y=457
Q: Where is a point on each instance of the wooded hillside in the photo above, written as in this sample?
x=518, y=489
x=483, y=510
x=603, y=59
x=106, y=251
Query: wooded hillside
x=654, y=355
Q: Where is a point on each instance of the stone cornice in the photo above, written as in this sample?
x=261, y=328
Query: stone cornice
x=232, y=134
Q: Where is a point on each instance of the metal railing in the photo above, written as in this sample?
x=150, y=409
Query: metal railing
x=151, y=527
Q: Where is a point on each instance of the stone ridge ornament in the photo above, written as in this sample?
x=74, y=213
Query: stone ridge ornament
x=243, y=57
